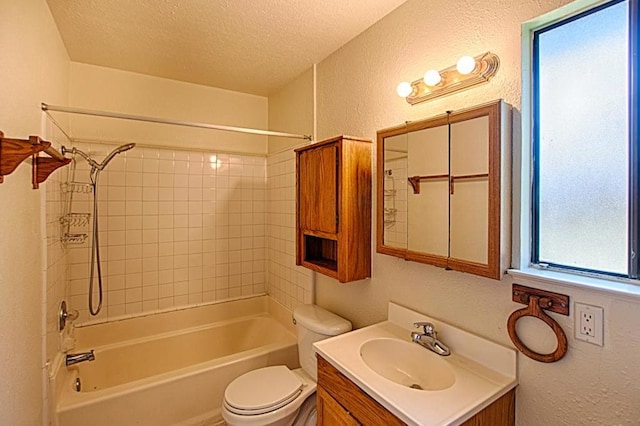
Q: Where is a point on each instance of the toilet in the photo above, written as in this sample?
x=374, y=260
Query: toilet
x=277, y=395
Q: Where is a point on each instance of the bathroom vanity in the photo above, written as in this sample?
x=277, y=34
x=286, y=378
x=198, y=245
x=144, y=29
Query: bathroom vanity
x=350, y=405
x=376, y=376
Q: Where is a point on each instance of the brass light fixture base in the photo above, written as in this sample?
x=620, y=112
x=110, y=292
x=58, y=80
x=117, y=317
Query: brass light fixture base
x=487, y=65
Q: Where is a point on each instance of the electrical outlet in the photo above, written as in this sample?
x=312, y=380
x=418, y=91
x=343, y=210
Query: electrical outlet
x=589, y=323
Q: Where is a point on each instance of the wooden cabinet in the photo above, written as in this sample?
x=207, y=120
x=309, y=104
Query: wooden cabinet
x=333, y=202
x=342, y=402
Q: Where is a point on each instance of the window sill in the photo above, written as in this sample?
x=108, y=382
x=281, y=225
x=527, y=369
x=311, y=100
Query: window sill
x=610, y=287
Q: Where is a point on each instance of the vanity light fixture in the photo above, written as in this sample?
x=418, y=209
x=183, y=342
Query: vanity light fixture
x=468, y=72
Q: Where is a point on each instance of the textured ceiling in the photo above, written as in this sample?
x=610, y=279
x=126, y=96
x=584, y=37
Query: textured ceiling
x=251, y=46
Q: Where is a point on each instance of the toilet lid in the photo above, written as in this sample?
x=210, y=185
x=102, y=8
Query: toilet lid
x=263, y=390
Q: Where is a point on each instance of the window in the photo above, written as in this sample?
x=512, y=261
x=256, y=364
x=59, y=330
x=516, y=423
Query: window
x=584, y=100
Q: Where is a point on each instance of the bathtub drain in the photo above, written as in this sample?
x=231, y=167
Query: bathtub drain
x=78, y=384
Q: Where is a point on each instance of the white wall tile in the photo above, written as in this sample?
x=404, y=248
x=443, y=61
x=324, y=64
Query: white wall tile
x=173, y=229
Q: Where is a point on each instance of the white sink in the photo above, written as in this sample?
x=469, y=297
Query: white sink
x=383, y=362
x=407, y=364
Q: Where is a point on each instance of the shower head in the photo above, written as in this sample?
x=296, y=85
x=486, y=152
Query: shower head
x=118, y=150
x=92, y=162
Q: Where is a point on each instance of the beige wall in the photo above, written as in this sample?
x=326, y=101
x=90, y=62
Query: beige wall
x=125, y=92
x=291, y=111
x=34, y=68
x=356, y=95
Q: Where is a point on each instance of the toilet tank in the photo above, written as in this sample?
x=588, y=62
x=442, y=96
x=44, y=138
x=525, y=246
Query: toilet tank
x=313, y=324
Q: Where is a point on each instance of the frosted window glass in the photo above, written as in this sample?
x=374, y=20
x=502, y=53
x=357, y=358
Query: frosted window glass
x=583, y=142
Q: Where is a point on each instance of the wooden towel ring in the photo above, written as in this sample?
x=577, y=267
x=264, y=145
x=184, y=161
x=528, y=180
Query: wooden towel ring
x=535, y=309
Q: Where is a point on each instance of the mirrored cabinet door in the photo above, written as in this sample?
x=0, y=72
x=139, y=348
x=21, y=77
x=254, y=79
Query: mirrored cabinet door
x=446, y=180
x=394, y=186
x=428, y=203
x=469, y=190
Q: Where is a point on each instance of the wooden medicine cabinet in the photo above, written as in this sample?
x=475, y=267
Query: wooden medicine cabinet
x=333, y=202
x=444, y=192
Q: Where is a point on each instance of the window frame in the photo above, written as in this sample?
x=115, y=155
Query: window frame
x=524, y=220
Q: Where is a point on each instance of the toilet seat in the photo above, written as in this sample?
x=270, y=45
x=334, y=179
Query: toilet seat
x=263, y=390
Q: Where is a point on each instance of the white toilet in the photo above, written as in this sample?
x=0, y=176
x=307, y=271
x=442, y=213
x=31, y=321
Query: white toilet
x=277, y=395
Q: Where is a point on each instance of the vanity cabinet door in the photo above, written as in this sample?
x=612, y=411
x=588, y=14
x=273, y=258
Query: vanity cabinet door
x=350, y=399
x=330, y=413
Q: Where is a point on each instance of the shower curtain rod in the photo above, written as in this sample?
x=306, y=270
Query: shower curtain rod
x=70, y=110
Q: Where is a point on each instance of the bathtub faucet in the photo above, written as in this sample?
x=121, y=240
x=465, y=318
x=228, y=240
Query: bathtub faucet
x=81, y=357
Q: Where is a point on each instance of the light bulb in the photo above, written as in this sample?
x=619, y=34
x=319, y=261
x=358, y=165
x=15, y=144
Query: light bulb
x=432, y=78
x=404, y=89
x=215, y=162
x=466, y=65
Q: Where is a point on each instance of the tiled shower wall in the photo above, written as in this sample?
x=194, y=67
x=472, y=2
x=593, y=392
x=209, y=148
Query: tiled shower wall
x=288, y=284
x=176, y=228
x=57, y=255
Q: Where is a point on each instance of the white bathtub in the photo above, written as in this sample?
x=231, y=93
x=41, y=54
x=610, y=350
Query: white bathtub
x=171, y=368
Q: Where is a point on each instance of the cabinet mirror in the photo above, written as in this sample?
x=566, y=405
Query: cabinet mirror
x=444, y=190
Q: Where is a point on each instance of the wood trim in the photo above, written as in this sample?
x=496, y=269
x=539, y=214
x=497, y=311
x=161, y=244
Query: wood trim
x=330, y=141
x=321, y=267
x=431, y=259
x=380, y=247
x=299, y=236
x=320, y=234
x=355, y=211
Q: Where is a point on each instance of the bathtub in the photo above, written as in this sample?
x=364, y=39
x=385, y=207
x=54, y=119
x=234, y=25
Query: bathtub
x=171, y=368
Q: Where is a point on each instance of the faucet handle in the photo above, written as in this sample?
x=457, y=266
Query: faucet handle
x=429, y=329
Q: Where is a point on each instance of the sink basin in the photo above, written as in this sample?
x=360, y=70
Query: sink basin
x=407, y=364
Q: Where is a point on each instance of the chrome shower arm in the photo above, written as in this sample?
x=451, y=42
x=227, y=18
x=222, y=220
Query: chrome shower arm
x=74, y=151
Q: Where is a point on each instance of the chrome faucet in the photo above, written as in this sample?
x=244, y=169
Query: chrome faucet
x=429, y=339
x=77, y=358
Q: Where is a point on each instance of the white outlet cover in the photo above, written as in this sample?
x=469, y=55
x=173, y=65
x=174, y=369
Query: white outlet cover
x=597, y=313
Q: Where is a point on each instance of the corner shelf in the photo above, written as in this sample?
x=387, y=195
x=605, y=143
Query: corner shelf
x=15, y=151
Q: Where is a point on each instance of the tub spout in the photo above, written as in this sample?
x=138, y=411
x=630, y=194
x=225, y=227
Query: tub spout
x=77, y=358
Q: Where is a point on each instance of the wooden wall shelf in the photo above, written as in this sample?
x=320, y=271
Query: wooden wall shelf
x=15, y=151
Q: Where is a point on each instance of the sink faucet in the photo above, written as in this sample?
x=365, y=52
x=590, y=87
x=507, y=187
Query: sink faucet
x=77, y=358
x=429, y=339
